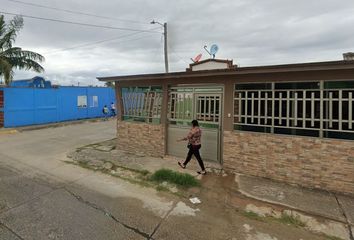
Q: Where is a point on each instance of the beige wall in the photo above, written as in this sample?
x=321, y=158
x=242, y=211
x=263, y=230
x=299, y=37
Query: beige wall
x=210, y=66
x=140, y=138
x=311, y=162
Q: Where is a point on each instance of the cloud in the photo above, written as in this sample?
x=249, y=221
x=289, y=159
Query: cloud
x=250, y=32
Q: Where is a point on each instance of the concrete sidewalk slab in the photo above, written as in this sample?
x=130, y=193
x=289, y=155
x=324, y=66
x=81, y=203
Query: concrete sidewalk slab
x=347, y=204
x=7, y=234
x=59, y=215
x=99, y=153
x=22, y=189
x=315, y=202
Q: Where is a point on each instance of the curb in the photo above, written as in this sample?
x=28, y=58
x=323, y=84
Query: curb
x=58, y=124
x=7, y=132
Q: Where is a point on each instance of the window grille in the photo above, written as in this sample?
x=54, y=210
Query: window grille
x=180, y=106
x=142, y=104
x=200, y=103
x=320, y=109
x=208, y=108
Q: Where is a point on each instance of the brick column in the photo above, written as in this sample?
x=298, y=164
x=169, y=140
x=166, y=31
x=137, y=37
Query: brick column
x=164, y=111
x=228, y=106
x=119, y=102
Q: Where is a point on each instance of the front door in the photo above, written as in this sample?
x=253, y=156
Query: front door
x=202, y=104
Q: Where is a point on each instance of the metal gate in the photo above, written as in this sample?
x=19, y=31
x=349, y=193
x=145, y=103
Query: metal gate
x=203, y=104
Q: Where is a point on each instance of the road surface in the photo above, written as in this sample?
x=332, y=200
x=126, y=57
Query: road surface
x=42, y=197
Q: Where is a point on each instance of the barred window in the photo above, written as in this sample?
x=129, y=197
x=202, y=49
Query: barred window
x=200, y=103
x=180, y=105
x=319, y=109
x=142, y=104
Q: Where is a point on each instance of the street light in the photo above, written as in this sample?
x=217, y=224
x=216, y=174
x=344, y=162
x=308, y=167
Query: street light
x=165, y=41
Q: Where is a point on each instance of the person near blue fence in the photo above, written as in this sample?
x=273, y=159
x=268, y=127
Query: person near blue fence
x=105, y=112
x=113, y=109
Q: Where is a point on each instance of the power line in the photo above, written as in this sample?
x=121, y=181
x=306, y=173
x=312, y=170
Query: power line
x=78, y=23
x=95, y=43
x=77, y=12
x=177, y=55
x=130, y=40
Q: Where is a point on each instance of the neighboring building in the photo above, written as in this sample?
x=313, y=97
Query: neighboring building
x=348, y=56
x=36, y=82
x=22, y=106
x=292, y=123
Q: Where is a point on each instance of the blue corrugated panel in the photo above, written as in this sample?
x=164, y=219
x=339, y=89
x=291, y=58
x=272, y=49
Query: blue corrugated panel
x=18, y=107
x=46, y=106
x=28, y=106
x=68, y=103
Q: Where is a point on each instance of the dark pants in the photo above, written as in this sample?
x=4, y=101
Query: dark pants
x=194, y=150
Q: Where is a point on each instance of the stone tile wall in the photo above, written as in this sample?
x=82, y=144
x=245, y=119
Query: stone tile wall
x=140, y=138
x=311, y=162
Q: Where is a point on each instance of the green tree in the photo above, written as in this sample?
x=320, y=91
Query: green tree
x=110, y=84
x=14, y=57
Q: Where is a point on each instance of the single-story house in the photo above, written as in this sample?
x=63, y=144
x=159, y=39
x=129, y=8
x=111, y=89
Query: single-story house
x=35, y=82
x=291, y=123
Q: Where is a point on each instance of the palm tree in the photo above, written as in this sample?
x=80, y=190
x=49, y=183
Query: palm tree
x=14, y=57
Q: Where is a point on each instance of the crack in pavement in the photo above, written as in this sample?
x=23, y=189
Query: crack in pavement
x=351, y=236
x=12, y=231
x=108, y=214
x=162, y=220
x=30, y=200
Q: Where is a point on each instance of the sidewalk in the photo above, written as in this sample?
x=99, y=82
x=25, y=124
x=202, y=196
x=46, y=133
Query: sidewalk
x=315, y=202
x=323, y=211
x=4, y=131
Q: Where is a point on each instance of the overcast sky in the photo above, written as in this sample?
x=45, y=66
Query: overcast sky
x=251, y=32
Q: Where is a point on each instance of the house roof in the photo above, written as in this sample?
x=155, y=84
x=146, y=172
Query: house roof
x=298, y=67
x=25, y=82
x=212, y=60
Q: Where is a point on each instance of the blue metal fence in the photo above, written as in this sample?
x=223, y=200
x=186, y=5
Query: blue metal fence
x=30, y=106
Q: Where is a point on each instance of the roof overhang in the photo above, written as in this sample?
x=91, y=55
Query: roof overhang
x=300, y=67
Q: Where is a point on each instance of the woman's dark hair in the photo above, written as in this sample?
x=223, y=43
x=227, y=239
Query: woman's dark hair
x=195, y=123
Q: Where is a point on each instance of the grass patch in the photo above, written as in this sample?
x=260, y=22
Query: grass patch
x=333, y=238
x=285, y=219
x=253, y=216
x=290, y=220
x=160, y=188
x=143, y=172
x=181, y=179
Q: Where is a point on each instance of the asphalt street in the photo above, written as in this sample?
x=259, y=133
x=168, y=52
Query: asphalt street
x=43, y=197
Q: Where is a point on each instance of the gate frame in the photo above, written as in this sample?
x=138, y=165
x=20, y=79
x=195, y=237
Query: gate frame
x=221, y=114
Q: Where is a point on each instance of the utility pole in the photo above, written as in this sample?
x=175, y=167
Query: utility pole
x=165, y=42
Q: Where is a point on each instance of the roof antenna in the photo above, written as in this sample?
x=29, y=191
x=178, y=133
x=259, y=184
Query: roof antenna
x=205, y=48
x=197, y=58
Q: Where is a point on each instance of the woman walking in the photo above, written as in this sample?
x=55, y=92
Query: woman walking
x=194, y=144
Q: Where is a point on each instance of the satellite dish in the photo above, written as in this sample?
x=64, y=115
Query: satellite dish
x=213, y=50
x=197, y=58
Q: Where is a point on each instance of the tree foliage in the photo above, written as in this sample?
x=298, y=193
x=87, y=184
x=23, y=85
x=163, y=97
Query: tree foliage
x=15, y=57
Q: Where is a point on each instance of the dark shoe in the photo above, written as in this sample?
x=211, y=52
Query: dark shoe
x=202, y=172
x=181, y=165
